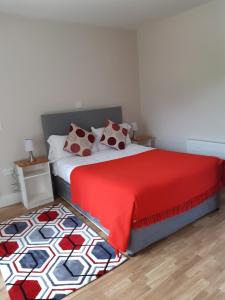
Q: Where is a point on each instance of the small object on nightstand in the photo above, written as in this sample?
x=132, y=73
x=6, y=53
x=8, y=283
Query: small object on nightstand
x=35, y=182
x=134, y=126
x=29, y=147
x=143, y=139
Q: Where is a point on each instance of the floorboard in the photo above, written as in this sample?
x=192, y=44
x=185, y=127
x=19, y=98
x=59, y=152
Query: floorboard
x=189, y=264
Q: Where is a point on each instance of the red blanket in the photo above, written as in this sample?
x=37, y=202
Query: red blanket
x=143, y=189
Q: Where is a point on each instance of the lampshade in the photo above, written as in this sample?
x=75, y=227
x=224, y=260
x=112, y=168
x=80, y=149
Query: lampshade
x=28, y=145
x=134, y=126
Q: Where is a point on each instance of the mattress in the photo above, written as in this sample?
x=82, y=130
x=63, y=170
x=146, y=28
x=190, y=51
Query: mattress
x=65, y=166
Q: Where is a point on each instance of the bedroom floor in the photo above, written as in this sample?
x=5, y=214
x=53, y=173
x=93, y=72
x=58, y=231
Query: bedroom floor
x=190, y=264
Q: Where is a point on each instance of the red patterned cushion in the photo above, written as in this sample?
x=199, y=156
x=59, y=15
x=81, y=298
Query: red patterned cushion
x=79, y=141
x=114, y=135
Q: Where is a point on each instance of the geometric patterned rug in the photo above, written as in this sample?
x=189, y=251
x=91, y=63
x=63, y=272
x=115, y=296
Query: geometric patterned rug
x=50, y=253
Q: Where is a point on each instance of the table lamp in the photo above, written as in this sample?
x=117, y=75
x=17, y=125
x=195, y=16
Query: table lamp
x=134, y=126
x=29, y=147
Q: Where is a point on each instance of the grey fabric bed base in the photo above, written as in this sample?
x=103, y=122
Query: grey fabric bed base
x=143, y=237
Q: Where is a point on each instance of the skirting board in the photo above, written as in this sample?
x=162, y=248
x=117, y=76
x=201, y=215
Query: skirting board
x=10, y=199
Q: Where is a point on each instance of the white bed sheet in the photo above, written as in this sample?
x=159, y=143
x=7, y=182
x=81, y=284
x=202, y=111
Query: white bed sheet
x=65, y=166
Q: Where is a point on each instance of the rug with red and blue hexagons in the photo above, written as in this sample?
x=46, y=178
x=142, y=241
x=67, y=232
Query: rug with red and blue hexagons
x=50, y=253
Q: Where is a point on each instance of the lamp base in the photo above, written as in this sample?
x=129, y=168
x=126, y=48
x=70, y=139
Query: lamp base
x=133, y=135
x=31, y=156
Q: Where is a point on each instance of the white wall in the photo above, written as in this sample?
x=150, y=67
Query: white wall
x=182, y=76
x=49, y=67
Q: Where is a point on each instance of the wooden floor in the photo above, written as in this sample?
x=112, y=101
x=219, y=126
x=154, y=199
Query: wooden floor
x=188, y=265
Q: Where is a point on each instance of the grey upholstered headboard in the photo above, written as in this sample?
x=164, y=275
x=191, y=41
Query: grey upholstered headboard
x=58, y=123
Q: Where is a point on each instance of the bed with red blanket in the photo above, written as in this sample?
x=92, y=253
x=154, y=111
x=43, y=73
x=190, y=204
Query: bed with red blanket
x=146, y=189
x=139, y=199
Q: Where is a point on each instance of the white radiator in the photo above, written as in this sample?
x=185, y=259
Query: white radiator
x=214, y=148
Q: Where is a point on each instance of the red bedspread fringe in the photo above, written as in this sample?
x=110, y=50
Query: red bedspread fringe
x=181, y=208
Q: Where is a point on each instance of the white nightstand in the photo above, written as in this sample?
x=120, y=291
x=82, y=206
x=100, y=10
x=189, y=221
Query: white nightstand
x=35, y=182
x=144, y=140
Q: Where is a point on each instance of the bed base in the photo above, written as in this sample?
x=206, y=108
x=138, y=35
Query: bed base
x=143, y=237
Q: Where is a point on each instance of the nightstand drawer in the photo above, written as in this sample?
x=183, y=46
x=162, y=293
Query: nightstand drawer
x=36, y=170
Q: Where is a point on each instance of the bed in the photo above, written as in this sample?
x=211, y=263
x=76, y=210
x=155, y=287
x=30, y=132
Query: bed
x=57, y=124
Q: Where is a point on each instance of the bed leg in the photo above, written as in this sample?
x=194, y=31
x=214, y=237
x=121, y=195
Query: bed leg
x=131, y=254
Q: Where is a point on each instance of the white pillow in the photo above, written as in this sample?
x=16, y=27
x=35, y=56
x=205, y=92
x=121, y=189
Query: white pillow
x=56, y=145
x=98, y=132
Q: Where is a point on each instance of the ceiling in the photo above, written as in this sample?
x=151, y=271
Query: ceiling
x=112, y=13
